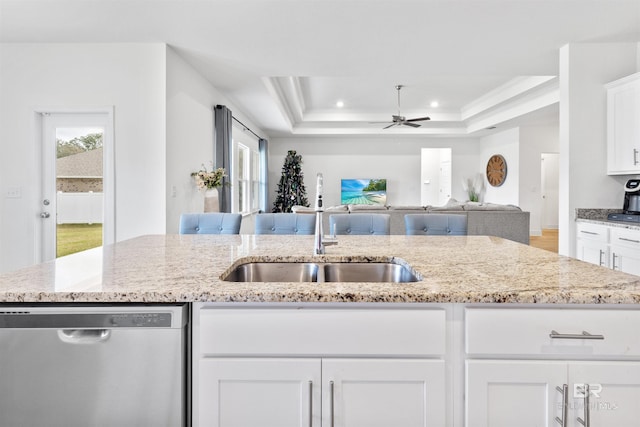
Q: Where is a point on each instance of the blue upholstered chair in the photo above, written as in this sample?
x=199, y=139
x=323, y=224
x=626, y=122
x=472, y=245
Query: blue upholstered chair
x=435, y=224
x=210, y=223
x=285, y=223
x=359, y=224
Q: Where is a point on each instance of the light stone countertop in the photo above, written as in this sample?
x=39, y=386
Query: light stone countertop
x=187, y=268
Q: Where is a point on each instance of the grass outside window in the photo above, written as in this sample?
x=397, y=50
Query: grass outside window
x=72, y=238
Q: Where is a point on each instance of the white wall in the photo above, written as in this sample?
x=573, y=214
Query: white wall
x=534, y=140
x=584, y=70
x=396, y=159
x=190, y=136
x=507, y=144
x=130, y=77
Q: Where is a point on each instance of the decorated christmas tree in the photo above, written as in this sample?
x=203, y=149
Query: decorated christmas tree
x=291, y=191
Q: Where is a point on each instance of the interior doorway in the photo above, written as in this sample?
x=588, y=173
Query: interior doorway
x=549, y=173
x=76, y=203
x=435, y=176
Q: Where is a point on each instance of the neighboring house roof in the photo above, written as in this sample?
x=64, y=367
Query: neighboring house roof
x=82, y=165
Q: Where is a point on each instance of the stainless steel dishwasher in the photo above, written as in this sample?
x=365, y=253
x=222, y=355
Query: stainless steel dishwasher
x=93, y=365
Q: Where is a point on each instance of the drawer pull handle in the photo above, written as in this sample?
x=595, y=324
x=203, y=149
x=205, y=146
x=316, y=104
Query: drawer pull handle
x=586, y=422
x=629, y=240
x=565, y=405
x=613, y=262
x=583, y=336
x=600, y=260
x=590, y=232
x=635, y=157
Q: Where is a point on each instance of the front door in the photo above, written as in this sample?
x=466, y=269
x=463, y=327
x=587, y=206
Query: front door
x=76, y=190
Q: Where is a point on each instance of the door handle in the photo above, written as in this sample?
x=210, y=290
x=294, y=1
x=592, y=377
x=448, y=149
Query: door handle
x=83, y=336
x=310, y=403
x=586, y=422
x=565, y=405
x=331, y=405
x=45, y=215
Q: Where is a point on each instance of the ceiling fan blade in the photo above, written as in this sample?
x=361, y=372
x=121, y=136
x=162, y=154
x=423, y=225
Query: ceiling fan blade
x=419, y=119
x=413, y=125
x=391, y=125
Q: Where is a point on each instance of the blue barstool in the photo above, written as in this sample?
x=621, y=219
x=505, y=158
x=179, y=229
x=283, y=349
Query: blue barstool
x=210, y=223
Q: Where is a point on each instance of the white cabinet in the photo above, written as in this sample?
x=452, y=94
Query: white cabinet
x=593, y=243
x=609, y=246
x=625, y=250
x=529, y=367
x=623, y=126
x=303, y=366
x=314, y=392
x=514, y=393
x=531, y=393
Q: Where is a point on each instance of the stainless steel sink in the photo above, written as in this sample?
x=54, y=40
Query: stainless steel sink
x=321, y=272
x=274, y=272
x=368, y=272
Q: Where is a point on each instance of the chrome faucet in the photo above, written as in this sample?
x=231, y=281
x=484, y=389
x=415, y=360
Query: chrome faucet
x=319, y=241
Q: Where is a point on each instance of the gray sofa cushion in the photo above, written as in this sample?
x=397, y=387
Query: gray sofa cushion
x=436, y=224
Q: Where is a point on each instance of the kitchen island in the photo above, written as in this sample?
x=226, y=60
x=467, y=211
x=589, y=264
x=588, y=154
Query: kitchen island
x=494, y=333
x=188, y=268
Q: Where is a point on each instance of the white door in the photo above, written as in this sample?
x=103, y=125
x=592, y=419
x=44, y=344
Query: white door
x=383, y=393
x=550, y=172
x=259, y=393
x=514, y=393
x=68, y=138
x=445, y=183
x=614, y=393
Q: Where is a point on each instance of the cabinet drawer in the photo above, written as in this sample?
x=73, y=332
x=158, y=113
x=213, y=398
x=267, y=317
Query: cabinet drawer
x=319, y=332
x=594, y=232
x=526, y=331
x=625, y=237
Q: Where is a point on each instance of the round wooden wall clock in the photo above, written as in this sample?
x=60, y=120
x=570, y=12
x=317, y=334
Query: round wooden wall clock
x=496, y=170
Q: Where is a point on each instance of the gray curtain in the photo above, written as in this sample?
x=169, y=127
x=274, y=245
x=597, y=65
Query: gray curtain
x=263, y=147
x=222, y=144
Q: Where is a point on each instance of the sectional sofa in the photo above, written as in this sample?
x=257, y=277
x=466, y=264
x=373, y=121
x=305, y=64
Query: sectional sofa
x=490, y=219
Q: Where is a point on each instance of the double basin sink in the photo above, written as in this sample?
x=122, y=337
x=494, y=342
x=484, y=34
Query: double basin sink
x=321, y=272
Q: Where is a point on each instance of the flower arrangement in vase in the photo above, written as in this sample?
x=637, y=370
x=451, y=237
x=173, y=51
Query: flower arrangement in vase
x=210, y=181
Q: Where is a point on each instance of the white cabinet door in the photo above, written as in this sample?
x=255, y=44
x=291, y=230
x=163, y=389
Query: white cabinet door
x=383, y=393
x=625, y=250
x=623, y=126
x=514, y=393
x=614, y=393
x=259, y=393
x=593, y=252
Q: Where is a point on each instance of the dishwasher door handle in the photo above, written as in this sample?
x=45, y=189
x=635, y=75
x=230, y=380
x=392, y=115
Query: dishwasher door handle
x=84, y=336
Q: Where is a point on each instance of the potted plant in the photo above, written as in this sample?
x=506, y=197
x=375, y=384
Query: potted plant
x=210, y=182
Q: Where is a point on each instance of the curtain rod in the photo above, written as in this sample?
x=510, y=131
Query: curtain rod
x=246, y=127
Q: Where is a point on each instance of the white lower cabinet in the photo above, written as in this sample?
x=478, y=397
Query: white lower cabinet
x=505, y=393
x=625, y=250
x=317, y=367
x=530, y=367
x=514, y=393
x=315, y=392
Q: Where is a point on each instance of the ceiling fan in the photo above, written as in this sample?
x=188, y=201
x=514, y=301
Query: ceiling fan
x=400, y=120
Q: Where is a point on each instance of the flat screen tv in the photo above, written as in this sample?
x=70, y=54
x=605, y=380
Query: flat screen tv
x=363, y=192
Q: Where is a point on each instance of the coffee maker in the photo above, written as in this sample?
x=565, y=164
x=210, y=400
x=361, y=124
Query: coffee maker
x=632, y=197
x=631, y=206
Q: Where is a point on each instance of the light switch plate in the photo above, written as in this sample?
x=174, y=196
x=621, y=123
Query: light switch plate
x=13, y=193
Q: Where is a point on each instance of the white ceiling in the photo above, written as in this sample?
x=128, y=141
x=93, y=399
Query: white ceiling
x=285, y=63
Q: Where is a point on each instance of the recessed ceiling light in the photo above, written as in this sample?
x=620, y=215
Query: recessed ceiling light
x=340, y=104
x=434, y=104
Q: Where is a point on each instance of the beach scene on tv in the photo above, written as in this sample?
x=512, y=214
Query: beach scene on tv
x=363, y=192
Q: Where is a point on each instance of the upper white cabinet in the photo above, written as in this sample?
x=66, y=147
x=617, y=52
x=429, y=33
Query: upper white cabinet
x=623, y=126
